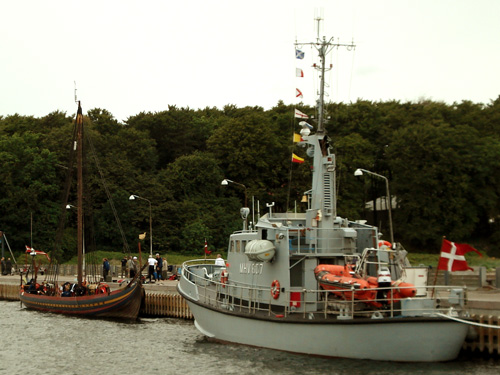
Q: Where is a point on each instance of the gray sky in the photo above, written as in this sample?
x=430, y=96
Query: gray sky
x=129, y=56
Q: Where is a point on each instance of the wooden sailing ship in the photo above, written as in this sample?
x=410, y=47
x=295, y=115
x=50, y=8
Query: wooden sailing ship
x=89, y=296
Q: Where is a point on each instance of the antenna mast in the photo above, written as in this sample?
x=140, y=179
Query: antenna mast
x=323, y=47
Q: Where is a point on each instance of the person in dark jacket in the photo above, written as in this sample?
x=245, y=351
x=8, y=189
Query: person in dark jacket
x=105, y=268
x=124, y=267
x=8, y=267
x=159, y=267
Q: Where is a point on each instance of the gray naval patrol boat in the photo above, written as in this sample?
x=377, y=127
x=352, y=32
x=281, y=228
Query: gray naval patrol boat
x=316, y=283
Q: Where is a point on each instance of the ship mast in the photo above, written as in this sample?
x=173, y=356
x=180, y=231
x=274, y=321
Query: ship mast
x=322, y=211
x=324, y=47
x=79, y=171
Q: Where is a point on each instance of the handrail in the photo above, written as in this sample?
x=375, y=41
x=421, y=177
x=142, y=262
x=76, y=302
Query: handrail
x=250, y=294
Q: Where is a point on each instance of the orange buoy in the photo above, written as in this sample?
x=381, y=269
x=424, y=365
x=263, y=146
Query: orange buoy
x=275, y=289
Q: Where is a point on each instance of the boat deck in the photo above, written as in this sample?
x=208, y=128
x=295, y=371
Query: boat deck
x=257, y=302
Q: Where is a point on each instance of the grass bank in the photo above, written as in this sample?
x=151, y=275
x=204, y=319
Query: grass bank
x=416, y=259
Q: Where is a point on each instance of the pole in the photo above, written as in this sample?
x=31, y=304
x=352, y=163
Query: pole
x=389, y=208
x=3, y=246
x=150, y=230
x=132, y=197
x=79, y=150
x=140, y=258
x=388, y=197
x=436, y=274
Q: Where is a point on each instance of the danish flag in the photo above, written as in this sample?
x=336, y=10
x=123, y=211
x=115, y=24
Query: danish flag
x=452, y=256
x=30, y=250
x=208, y=252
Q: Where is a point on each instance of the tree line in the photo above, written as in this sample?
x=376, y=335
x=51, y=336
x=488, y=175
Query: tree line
x=442, y=162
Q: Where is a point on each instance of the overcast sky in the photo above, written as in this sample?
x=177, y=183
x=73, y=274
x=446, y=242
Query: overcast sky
x=130, y=56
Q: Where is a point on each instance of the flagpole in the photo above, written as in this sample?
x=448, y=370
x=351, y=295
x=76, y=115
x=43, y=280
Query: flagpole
x=437, y=269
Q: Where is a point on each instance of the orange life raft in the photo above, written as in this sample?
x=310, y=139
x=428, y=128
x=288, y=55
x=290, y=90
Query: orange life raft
x=342, y=282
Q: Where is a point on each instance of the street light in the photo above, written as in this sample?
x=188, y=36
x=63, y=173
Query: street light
x=226, y=182
x=134, y=197
x=359, y=172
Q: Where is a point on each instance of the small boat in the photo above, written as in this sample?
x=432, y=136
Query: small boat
x=89, y=296
x=315, y=283
x=119, y=304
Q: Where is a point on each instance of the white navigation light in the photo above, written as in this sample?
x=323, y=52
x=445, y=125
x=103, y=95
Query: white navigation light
x=305, y=124
x=304, y=132
x=244, y=212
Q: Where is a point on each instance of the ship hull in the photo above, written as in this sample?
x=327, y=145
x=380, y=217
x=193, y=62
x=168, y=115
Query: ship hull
x=121, y=304
x=401, y=340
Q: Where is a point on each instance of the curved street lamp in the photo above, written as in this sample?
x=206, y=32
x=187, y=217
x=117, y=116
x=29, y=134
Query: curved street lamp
x=359, y=172
x=226, y=182
x=134, y=197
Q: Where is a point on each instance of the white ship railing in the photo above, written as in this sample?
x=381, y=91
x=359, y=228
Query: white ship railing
x=251, y=299
x=303, y=240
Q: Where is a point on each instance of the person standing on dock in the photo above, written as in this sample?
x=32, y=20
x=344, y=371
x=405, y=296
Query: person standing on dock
x=8, y=267
x=124, y=266
x=133, y=267
x=165, y=269
x=158, y=267
x=105, y=268
x=3, y=266
x=151, y=270
x=129, y=266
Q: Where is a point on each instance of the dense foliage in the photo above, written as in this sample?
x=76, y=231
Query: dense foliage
x=442, y=161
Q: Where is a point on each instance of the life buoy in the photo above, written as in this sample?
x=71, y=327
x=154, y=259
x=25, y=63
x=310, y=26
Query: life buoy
x=384, y=243
x=275, y=289
x=103, y=289
x=223, y=278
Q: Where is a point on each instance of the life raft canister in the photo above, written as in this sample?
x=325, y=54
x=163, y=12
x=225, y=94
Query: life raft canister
x=384, y=243
x=275, y=289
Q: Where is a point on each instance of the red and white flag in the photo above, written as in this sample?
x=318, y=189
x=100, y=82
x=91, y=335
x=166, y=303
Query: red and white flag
x=299, y=72
x=29, y=250
x=299, y=114
x=208, y=252
x=452, y=256
x=298, y=93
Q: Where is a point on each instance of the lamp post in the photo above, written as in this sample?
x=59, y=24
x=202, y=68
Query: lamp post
x=226, y=182
x=134, y=197
x=359, y=172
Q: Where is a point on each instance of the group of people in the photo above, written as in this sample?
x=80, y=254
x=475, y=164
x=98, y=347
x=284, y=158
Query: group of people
x=6, y=266
x=156, y=267
x=130, y=267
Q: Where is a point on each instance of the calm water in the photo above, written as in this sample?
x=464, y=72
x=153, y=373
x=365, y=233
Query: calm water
x=37, y=343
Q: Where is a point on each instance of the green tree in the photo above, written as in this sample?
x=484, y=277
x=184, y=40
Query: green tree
x=196, y=206
x=29, y=188
x=440, y=178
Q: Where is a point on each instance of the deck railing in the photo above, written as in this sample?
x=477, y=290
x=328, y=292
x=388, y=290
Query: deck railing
x=251, y=299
